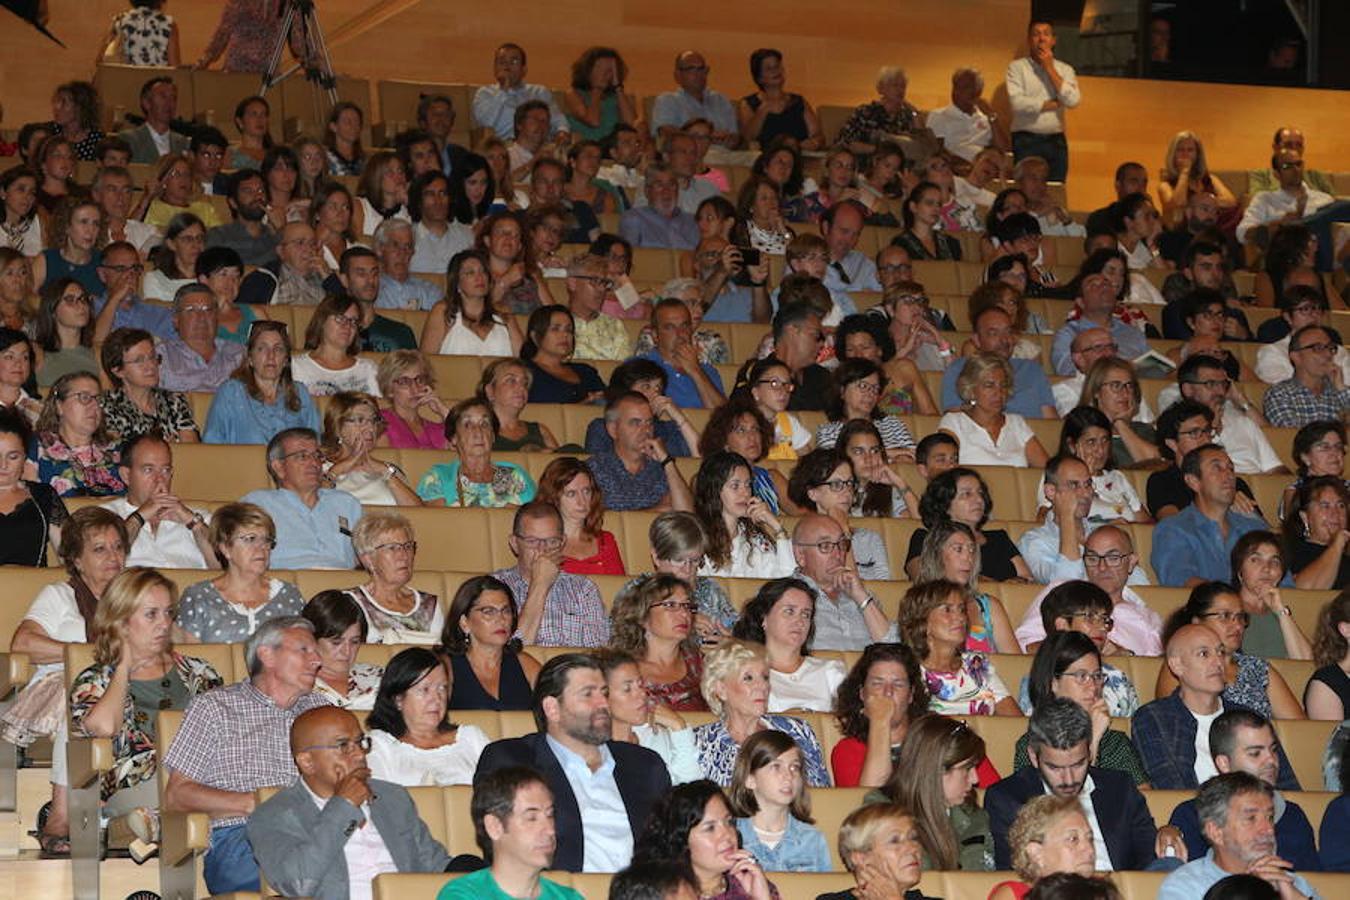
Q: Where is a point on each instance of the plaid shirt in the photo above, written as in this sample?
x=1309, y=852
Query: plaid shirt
x=1291, y=405
x=236, y=738
x=574, y=615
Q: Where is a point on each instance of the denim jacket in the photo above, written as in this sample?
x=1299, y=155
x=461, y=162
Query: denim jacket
x=802, y=848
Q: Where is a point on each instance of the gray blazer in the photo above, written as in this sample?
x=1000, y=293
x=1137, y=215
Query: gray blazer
x=143, y=148
x=299, y=846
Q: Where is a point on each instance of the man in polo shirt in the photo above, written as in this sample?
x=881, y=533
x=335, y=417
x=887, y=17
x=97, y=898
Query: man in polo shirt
x=121, y=306
x=1194, y=545
x=695, y=100
x=164, y=532
x=235, y=740
x=689, y=383
x=847, y=616
x=637, y=473
x=314, y=524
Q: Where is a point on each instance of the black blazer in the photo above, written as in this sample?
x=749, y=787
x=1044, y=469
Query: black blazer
x=1122, y=815
x=640, y=774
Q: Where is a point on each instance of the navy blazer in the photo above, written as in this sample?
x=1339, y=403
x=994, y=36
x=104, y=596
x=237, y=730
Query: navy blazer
x=1294, y=839
x=640, y=774
x=1164, y=734
x=1122, y=815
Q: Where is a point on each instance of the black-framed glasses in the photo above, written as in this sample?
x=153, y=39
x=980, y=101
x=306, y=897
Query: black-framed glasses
x=1112, y=560
x=842, y=545
x=838, y=485
x=1227, y=615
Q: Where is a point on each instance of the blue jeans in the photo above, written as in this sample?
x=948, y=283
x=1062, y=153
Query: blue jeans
x=1052, y=148
x=229, y=865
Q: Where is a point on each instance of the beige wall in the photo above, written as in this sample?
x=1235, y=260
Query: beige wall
x=833, y=61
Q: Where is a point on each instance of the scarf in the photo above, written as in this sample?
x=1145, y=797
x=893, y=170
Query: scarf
x=86, y=603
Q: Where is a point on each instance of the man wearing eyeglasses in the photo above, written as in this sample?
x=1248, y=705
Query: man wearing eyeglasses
x=848, y=617
x=294, y=278
x=1098, y=305
x=1317, y=390
x=120, y=270
x=1293, y=201
x=1301, y=303
x=694, y=100
x=1059, y=744
x=1243, y=741
x=1194, y=546
x=598, y=335
x=194, y=358
x=1054, y=550
x=314, y=524
x=164, y=531
x=1087, y=347
x=335, y=828
x=1237, y=423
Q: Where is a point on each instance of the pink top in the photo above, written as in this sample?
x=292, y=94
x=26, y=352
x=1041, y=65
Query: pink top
x=1137, y=628
x=1019, y=888
x=431, y=435
x=718, y=179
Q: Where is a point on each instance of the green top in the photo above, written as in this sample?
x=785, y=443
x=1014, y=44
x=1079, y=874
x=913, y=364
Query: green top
x=974, y=837
x=1263, y=637
x=481, y=885
x=1116, y=752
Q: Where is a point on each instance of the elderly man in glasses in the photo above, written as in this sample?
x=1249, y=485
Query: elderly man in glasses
x=848, y=617
x=121, y=305
x=335, y=828
x=598, y=335
x=1317, y=390
x=195, y=359
x=556, y=608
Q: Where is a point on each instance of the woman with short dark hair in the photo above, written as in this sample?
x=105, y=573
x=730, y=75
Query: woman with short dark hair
x=339, y=631
x=487, y=667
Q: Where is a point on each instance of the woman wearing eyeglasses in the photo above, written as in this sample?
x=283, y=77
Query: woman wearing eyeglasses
x=137, y=404
x=415, y=416
x=823, y=482
x=176, y=259
x=855, y=391
x=1319, y=449
x=745, y=538
x=1068, y=664
x=473, y=479
x=781, y=616
x=64, y=331
x=652, y=619
x=1249, y=680
x=1316, y=536
x=396, y=612
x=1112, y=387
x=487, y=667
x=332, y=340
x=989, y=435
x=678, y=544
x=261, y=398
x=769, y=383
x=1260, y=569
x=75, y=454
x=951, y=551
x=466, y=322
x=230, y=607
x=351, y=425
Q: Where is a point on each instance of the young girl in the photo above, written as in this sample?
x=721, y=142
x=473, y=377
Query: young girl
x=769, y=384
x=768, y=797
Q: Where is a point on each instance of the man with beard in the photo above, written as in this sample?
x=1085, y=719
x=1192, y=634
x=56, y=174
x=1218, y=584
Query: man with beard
x=249, y=235
x=602, y=788
x=1059, y=742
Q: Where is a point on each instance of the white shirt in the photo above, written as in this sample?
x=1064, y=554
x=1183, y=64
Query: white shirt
x=143, y=236
x=461, y=341
x=1271, y=206
x=812, y=686
x=168, y=545
x=964, y=134
x=749, y=561
x=163, y=144
x=393, y=760
x=607, y=837
x=1247, y=446
x=970, y=195
x=54, y=611
x=1204, y=761
x=1141, y=257
x=979, y=449
x=365, y=852
x=322, y=381
x=1273, y=365
x=1028, y=89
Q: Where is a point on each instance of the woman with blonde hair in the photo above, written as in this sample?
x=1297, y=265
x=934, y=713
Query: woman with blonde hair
x=396, y=612
x=935, y=778
x=988, y=434
x=135, y=674
x=262, y=397
x=408, y=383
x=505, y=386
x=1112, y=386
x=653, y=620
x=1185, y=172
x=588, y=549
x=879, y=844
x=1049, y=835
x=351, y=426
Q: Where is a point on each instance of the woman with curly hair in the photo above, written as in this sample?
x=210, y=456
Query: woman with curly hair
x=879, y=698
x=1049, y=835
x=1315, y=535
x=1327, y=695
x=693, y=826
x=903, y=390
x=653, y=620
x=738, y=426
x=960, y=681
x=596, y=102
x=587, y=548
x=745, y=538
x=75, y=116
x=960, y=495
x=74, y=246
x=823, y=482
x=781, y=616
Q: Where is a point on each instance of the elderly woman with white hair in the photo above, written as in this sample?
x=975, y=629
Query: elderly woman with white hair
x=711, y=346
x=888, y=115
x=879, y=844
x=736, y=689
x=396, y=612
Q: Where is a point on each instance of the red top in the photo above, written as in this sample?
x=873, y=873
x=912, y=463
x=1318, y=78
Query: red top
x=685, y=695
x=1019, y=888
x=847, y=761
x=606, y=560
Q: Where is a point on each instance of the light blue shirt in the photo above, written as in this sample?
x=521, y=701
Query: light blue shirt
x=735, y=303
x=495, y=107
x=1130, y=340
x=1031, y=389
x=1195, y=878
x=645, y=227
x=1189, y=545
x=1040, y=549
x=411, y=294
x=679, y=386
x=137, y=313
x=236, y=418
x=859, y=274
x=608, y=835
x=801, y=849
x=675, y=108
x=318, y=538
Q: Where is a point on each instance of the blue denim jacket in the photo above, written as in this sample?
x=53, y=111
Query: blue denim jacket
x=802, y=848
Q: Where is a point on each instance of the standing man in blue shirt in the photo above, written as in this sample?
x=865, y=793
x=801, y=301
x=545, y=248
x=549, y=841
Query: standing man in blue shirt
x=695, y=100
x=689, y=383
x=1194, y=545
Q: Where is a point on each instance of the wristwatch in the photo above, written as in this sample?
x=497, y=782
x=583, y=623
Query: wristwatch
x=195, y=521
x=667, y=461
x=136, y=517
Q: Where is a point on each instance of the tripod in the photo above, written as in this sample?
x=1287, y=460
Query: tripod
x=313, y=55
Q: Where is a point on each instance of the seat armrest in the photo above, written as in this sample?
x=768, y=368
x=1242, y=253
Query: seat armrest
x=15, y=670
x=89, y=758
x=182, y=835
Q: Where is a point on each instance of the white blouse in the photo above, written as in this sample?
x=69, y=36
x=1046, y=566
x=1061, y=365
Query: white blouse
x=461, y=341
x=979, y=449
x=54, y=611
x=158, y=286
x=812, y=686
x=753, y=561
x=322, y=381
x=392, y=760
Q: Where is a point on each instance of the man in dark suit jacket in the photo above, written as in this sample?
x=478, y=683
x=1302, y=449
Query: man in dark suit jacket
x=622, y=780
x=305, y=836
x=1059, y=740
x=436, y=117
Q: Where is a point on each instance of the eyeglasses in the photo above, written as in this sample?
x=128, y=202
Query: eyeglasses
x=1111, y=560
x=605, y=283
x=676, y=606
x=82, y=397
x=867, y=387
x=840, y=546
x=1206, y=431
x=1322, y=347
x=304, y=455
x=839, y=485
x=545, y=544
x=197, y=309
x=1226, y=616
x=347, y=321
x=1085, y=678
x=489, y=613
x=253, y=540
x=135, y=269
x=343, y=745
x=1214, y=384
x=898, y=267
x=1117, y=385
x=689, y=562
x=1096, y=618
x=1286, y=166
x=80, y=299
x=407, y=381
x=156, y=358
x=1306, y=309
x=397, y=546
x=1113, y=348
x=1328, y=447
x=778, y=384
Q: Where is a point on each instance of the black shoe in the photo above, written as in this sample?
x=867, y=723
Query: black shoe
x=143, y=895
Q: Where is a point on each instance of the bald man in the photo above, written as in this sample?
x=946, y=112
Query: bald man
x=1172, y=733
x=847, y=615
x=294, y=278
x=331, y=832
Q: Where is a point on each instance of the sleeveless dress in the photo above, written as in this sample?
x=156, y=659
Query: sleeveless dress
x=791, y=121
x=512, y=686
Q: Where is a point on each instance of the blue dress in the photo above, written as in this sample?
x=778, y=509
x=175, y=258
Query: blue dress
x=717, y=751
x=236, y=418
x=86, y=275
